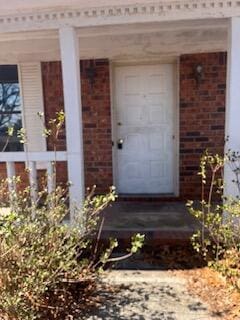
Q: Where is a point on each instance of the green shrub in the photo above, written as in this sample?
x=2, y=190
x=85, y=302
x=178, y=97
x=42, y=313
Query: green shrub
x=42, y=258
x=49, y=267
x=218, y=239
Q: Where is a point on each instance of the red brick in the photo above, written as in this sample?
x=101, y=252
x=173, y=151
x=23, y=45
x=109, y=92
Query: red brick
x=96, y=119
x=202, y=116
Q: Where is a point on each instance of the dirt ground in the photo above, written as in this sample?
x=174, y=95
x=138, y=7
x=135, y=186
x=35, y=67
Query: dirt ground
x=212, y=288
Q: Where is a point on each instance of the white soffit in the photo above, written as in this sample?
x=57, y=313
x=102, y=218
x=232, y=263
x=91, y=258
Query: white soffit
x=120, y=43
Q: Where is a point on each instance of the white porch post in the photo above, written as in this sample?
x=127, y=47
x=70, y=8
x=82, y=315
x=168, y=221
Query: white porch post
x=73, y=112
x=233, y=100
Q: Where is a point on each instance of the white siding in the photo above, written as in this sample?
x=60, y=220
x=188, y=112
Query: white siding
x=32, y=103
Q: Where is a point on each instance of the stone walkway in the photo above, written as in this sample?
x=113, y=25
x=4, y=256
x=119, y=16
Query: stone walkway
x=150, y=295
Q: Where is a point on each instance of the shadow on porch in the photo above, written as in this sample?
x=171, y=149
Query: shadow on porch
x=167, y=227
x=166, y=222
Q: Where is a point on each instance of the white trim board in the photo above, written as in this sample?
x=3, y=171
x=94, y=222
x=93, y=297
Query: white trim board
x=111, y=14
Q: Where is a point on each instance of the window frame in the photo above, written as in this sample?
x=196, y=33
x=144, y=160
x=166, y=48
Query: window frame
x=14, y=139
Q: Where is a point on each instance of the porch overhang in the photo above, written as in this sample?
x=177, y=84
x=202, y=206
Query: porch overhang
x=102, y=13
x=144, y=31
x=138, y=41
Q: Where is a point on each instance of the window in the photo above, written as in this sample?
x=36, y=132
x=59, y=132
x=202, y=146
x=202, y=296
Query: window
x=10, y=108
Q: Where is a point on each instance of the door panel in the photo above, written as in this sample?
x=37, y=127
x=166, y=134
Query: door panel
x=145, y=122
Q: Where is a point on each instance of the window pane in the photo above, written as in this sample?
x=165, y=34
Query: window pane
x=10, y=109
x=9, y=98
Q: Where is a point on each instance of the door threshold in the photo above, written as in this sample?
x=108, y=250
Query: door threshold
x=147, y=195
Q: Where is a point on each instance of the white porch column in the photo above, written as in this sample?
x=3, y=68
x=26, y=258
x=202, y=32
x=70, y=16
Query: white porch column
x=233, y=100
x=73, y=113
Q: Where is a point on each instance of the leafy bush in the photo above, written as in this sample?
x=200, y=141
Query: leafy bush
x=218, y=240
x=48, y=266
x=42, y=258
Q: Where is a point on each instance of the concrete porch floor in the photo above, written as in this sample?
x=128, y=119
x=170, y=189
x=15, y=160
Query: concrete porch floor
x=166, y=221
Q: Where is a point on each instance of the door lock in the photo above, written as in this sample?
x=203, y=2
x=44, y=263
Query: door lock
x=120, y=144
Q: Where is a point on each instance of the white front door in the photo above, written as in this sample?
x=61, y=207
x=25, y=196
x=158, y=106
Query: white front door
x=145, y=129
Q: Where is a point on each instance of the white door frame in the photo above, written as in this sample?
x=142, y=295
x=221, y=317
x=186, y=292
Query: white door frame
x=175, y=62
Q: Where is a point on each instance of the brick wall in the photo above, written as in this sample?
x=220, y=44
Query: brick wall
x=202, y=116
x=20, y=172
x=97, y=135
x=53, y=102
x=53, y=99
x=96, y=118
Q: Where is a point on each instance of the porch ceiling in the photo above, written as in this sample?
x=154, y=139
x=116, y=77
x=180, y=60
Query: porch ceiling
x=135, y=41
